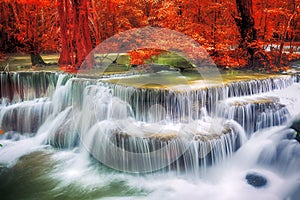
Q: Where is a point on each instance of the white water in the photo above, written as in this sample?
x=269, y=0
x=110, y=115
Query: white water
x=268, y=152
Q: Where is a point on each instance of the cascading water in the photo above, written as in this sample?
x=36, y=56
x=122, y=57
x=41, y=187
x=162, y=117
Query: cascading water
x=25, y=117
x=184, y=105
x=217, y=135
x=254, y=113
x=23, y=86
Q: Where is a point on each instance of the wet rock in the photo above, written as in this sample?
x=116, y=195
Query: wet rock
x=291, y=135
x=6, y=175
x=256, y=180
x=296, y=127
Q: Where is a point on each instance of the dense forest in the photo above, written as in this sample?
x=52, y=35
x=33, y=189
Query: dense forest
x=256, y=34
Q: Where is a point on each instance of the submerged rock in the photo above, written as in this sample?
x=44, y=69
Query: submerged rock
x=150, y=68
x=256, y=180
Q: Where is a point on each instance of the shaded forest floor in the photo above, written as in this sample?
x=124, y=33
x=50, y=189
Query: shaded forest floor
x=19, y=62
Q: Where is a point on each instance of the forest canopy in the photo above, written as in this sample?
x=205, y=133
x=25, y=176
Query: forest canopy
x=233, y=32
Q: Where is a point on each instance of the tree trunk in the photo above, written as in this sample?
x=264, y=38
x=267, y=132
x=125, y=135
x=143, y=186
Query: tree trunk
x=83, y=40
x=283, y=37
x=36, y=59
x=65, y=57
x=245, y=22
x=257, y=57
x=76, y=37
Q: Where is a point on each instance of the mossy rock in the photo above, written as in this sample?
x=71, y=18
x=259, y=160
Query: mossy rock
x=296, y=127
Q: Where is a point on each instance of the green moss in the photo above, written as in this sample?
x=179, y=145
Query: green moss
x=123, y=59
x=172, y=60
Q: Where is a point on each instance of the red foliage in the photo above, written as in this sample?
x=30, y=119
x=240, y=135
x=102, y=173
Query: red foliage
x=139, y=56
x=28, y=26
x=74, y=27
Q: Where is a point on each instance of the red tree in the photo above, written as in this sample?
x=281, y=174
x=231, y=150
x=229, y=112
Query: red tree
x=28, y=27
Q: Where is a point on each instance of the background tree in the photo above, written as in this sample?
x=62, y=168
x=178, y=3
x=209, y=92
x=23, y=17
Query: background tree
x=246, y=25
x=40, y=28
x=29, y=27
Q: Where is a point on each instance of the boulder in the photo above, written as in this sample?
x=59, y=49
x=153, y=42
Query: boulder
x=256, y=180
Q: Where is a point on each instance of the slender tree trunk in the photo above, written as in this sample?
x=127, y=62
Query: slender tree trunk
x=283, y=37
x=214, y=27
x=66, y=57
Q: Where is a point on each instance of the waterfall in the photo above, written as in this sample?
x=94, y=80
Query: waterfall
x=30, y=105
x=25, y=117
x=254, y=113
x=23, y=86
x=141, y=129
x=102, y=104
x=151, y=104
x=296, y=77
x=147, y=148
